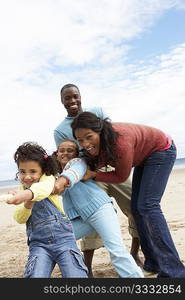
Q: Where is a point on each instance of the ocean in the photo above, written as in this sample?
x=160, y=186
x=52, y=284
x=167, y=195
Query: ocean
x=180, y=163
x=12, y=183
x=8, y=183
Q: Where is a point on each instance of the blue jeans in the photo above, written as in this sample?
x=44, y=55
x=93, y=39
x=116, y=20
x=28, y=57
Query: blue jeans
x=148, y=185
x=42, y=261
x=105, y=222
x=51, y=241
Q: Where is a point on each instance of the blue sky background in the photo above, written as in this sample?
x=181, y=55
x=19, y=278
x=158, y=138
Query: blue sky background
x=127, y=56
x=166, y=32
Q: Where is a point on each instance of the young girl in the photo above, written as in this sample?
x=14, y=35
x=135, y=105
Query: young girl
x=50, y=236
x=90, y=209
x=152, y=154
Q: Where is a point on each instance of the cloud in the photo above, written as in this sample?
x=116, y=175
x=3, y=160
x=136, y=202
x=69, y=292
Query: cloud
x=45, y=44
x=70, y=32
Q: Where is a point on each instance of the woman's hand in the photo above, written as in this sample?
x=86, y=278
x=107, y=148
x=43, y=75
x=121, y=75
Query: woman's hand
x=60, y=185
x=89, y=175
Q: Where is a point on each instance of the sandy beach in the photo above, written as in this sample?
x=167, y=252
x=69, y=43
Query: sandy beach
x=13, y=244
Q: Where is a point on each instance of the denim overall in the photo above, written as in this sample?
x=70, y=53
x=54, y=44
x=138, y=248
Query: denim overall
x=51, y=241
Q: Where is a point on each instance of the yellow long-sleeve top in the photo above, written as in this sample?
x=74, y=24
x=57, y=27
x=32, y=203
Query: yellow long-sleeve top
x=40, y=190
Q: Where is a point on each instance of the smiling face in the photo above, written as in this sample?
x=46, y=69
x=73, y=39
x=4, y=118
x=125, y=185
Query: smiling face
x=88, y=140
x=71, y=100
x=66, y=151
x=29, y=172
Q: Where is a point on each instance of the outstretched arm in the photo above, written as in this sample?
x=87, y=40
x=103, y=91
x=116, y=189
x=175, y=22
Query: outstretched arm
x=38, y=191
x=20, y=196
x=23, y=210
x=72, y=173
x=60, y=185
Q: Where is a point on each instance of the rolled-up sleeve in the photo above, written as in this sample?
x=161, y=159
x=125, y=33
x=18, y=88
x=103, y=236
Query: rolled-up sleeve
x=74, y=170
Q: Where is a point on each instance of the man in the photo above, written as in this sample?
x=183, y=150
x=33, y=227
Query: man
x=71, y=99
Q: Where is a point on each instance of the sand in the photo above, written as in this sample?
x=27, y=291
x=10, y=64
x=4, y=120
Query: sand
x=14, y=249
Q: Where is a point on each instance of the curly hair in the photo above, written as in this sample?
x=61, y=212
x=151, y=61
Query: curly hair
x=108, y=136
x=31, y=151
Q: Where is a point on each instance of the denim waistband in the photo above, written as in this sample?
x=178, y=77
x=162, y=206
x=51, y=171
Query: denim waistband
x=50, y=218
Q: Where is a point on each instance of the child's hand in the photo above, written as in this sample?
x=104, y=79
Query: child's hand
x=88, y=175
x=8, y=196
x=20, y=196
x=5, y=197
x=60, y=185
x=29, y=204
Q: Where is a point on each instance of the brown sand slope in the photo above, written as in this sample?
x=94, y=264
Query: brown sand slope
x=14, y=250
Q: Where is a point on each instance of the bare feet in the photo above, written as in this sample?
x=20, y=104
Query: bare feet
x=135, y=251
x=90, y=275
x=88, y=257
x=139, y=261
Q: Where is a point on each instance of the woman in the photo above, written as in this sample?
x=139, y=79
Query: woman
x=152, y=154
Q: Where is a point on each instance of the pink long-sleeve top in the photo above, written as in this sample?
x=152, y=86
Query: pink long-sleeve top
x=135, y=143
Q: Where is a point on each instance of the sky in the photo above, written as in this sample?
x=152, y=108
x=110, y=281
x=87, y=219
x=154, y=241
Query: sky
x=127, y=56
